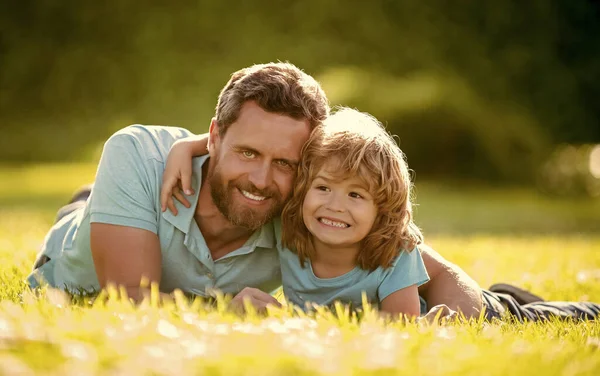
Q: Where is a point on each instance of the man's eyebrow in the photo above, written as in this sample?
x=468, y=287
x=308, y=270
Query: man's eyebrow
x=245, y=147
x=289, y=161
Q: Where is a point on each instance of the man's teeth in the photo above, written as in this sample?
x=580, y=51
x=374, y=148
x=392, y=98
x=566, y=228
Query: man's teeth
x=329, y=222
x=251, y=196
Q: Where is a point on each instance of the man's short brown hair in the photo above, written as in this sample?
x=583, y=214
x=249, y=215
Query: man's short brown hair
x=280, y=88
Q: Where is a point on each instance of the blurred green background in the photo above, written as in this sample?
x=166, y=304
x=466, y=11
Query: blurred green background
x=479, y=91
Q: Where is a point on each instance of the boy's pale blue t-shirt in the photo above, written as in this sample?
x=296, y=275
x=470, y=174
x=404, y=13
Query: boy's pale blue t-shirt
x=303, y=288
x=126, y=193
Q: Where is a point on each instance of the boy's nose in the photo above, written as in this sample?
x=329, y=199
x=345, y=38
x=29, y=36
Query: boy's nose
x=335, y=203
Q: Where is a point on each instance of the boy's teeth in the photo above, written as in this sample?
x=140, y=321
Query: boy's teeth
x=251, y=196
x=333, y=223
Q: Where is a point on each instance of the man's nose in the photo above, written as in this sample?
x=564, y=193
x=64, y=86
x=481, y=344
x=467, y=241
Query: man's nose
x=261, y=177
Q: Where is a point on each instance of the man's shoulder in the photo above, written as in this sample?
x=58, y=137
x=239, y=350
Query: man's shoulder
x=153, y=133
x=150, y=141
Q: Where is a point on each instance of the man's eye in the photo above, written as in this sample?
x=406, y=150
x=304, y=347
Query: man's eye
x=248, y=154
x=283, y=164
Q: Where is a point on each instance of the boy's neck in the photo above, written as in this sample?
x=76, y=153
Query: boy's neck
x=331, y=261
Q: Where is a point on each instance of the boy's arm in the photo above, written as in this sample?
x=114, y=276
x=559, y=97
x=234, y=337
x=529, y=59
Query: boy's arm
x=449, y=285
x=402, y=302
x=177, y=177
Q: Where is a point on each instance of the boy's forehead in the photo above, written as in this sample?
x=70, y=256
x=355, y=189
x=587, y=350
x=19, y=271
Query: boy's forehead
x=333, y=169
x=337, y=173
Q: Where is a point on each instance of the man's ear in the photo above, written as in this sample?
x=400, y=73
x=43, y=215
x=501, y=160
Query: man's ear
x=213, y=135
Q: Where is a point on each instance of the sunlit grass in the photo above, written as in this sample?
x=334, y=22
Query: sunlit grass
x=46, y=334
x=20, y=182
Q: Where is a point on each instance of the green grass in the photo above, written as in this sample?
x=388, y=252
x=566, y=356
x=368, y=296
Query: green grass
x=515, y=235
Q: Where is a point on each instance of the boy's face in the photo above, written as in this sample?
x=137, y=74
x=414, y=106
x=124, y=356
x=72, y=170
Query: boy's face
x=339, y=213
x=253, y=166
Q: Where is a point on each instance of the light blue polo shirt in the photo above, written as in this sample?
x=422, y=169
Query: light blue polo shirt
x=127, y=192
x=303, y=288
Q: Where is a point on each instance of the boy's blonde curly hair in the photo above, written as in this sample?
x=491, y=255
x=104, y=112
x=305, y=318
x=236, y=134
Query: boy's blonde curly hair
x=361, y=147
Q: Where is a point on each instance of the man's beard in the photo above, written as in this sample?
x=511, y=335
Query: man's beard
x=240, y=215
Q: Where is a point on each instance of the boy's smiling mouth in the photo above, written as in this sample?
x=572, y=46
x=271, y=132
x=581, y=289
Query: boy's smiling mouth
x=332, y=222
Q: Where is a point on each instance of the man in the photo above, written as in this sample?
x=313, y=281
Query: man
x=225, y=239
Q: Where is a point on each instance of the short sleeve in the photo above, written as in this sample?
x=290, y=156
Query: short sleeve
x=125, y=189
x=407, y=270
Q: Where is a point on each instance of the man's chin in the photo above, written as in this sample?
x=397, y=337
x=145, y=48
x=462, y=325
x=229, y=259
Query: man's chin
x=250, y=219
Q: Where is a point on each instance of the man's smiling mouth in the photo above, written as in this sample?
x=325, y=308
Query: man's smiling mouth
x=251, y=196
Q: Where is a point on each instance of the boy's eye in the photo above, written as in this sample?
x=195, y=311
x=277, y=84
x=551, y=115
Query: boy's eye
x=248, y=154
x=322, y=188
x=355, y=195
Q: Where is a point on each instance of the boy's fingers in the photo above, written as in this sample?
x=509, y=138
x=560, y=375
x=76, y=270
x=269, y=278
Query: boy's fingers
x=171, y=204
x=181, y=198
x=165, y=191
x=186, y=182
x=163, y=200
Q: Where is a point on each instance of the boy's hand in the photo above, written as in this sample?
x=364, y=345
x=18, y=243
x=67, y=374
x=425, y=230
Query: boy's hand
x=177, y=178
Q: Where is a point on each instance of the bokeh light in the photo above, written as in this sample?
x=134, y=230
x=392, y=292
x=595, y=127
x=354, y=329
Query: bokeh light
x=595, y=162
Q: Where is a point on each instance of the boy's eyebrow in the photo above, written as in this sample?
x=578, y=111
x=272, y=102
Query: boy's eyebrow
x=325, y=177
x=328, y=178
x=361, y=186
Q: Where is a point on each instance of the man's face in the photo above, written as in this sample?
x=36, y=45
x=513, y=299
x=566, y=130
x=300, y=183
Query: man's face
x=253, y=166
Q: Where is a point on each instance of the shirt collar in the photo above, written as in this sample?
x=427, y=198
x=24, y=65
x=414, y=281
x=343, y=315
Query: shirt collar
x=263, y=237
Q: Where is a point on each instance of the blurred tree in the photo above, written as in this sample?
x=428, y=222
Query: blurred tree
x=488, y=85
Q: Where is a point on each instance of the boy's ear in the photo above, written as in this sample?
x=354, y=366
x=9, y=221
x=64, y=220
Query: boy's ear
x=213, y=135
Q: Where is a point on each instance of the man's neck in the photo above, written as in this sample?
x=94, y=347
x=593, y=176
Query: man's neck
x=220, y=235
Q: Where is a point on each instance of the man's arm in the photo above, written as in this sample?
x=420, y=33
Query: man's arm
x=449, y=285
x=124, y=255
x=123, y=210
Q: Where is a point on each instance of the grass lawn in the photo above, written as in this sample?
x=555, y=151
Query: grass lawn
x=548, y=245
